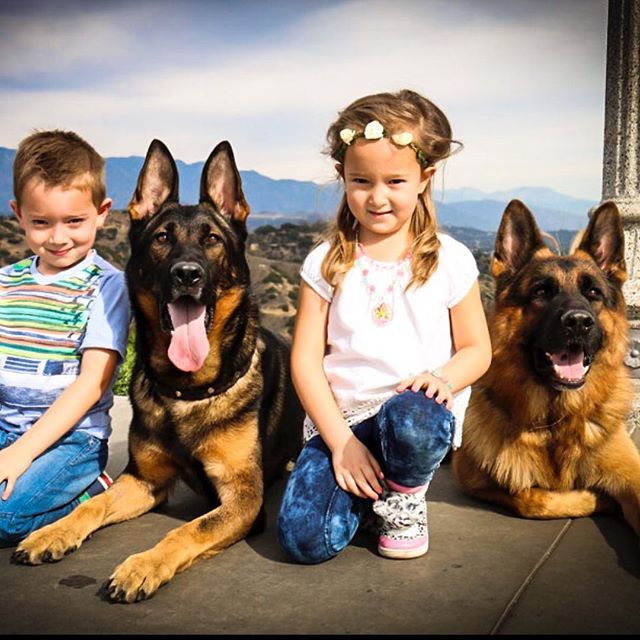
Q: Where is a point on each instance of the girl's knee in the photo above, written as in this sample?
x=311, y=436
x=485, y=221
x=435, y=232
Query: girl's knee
x=412, y=418
x=312, y=532
x=415, y=435
x=299, y=541
x=300, y=522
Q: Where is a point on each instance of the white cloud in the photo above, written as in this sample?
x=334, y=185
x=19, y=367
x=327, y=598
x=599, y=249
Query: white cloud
x=44, y=42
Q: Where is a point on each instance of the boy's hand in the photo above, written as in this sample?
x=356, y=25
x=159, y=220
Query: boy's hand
x=435, y=387
x=13, y=464
x=356, y=470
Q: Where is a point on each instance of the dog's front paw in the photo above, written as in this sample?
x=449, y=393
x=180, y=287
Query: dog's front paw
x=137, y=578
x=49, y=544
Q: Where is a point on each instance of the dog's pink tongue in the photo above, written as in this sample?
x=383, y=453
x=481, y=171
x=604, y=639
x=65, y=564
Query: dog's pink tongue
x=189, y=345
x=569, y=364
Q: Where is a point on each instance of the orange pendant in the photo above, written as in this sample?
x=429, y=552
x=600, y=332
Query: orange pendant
x=382, y=313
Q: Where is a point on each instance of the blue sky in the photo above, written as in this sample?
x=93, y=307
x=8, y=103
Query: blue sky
x=522, y=81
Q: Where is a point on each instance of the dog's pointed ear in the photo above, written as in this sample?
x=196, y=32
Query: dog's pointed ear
x=157, y=182
x=603, y=240
x=221, y=184
x=517, y=239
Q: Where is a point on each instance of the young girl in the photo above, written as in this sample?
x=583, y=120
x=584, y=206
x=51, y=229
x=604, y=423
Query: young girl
x=390, y=329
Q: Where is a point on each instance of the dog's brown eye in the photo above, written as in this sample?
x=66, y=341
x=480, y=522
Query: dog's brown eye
x=594, y=293
x=212, y=238
x=540, y=292
x=161, y=237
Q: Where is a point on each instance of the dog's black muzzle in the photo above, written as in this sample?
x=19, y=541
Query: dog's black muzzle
x=188, y=283
x=577, y=324
x=565, y=343
x=187, y=277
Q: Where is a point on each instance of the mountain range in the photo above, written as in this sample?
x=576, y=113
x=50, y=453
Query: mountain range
x=277, y=201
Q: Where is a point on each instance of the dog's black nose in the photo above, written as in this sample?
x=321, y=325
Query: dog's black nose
x=187, y=273
x=577, y=322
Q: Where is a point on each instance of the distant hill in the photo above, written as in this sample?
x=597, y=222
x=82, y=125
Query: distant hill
x=276, y=201
x=537, y=196
x=485, y=214
x=284, y=197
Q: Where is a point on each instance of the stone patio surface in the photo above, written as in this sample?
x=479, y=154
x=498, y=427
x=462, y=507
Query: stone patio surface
x=487, y=572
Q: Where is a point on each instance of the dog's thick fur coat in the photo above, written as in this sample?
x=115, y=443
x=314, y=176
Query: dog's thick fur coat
x=544, y=433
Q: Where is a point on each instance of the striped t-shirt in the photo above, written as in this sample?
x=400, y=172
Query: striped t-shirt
x=45, y=324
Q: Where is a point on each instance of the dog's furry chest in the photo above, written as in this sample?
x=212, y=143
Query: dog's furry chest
x=191, y=422
x=555, y=458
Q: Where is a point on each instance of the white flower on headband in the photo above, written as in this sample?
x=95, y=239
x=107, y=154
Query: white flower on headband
x=346, y=135
x=402, y=139
x=373, y=131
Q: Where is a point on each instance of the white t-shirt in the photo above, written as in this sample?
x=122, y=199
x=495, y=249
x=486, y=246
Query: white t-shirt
x=366, y=360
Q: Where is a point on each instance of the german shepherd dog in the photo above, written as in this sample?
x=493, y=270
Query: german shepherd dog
x=211, y=393
x=544, y=433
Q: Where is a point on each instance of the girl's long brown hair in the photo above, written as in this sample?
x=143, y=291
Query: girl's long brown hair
x=405, y=110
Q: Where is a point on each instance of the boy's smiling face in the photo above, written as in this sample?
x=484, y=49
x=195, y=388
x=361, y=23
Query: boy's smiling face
x=60, y=223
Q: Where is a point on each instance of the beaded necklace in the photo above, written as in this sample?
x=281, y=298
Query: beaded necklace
x=381, y=290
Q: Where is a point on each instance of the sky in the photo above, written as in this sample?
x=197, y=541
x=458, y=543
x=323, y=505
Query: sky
x=521, y=81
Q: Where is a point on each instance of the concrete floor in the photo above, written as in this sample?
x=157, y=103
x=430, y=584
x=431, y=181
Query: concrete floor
x=487, y=572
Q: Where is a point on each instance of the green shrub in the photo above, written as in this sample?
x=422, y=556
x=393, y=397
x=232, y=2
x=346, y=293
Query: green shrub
x=121, y=387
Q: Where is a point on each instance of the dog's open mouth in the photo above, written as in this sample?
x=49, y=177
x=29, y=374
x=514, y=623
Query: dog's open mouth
x=566, y=368
x=188, y=321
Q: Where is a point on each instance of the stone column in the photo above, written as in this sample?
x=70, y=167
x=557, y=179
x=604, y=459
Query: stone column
x=621, y=171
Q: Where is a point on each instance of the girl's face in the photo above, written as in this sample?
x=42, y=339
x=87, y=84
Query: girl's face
x=382, y=185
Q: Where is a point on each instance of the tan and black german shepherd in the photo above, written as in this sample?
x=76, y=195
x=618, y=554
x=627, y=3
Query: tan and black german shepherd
x=211, y=393
x=544, y=433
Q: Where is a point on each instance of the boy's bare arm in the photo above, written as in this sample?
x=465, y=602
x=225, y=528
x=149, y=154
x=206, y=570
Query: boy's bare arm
x=96, y=371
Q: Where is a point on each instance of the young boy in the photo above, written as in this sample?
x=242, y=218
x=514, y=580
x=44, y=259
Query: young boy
x=64, y=320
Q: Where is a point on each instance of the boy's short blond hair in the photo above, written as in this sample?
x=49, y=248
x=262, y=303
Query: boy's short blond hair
x=59, y=159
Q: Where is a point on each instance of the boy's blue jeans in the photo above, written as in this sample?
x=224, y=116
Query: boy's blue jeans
x=50, y=487
x=410, y=436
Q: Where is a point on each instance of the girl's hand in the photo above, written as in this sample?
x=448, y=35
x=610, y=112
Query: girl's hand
x=435, y=387
x=356, y=470
x=12, y=465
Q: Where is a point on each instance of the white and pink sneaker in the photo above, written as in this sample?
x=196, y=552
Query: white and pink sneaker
x=404, y=532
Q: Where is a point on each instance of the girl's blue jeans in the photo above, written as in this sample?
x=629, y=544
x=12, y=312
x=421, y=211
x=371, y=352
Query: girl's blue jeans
x=410, y=436
x=49, y=489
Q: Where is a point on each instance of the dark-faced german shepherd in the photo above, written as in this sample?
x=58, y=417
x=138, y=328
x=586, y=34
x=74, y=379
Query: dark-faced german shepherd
x=211, y=393
x=544, y=433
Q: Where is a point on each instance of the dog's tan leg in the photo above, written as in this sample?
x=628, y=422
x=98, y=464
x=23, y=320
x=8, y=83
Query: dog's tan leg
x=543, y=504
x=232, y=461
x=128, y=497
x=533, y=502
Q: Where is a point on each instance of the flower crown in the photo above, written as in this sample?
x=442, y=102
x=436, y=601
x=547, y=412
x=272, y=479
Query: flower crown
x=374, y=131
